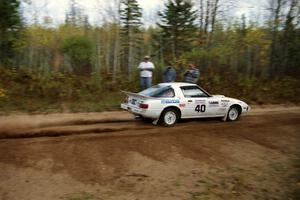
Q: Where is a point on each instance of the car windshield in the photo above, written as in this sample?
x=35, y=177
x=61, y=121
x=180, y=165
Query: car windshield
x=158, y=91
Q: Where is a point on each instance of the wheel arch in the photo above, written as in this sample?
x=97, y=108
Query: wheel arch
x=239, y=107
x=171, y=107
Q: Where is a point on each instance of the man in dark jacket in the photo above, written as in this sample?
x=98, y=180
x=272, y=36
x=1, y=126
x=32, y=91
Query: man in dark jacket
x=169, y=74
x=192, y=74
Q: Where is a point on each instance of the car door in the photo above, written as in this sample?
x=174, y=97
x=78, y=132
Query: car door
x=197, y=102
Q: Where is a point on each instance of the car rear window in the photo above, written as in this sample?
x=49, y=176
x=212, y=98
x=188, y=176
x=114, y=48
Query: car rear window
x=159, y=91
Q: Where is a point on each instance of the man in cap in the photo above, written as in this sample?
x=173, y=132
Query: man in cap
x=192, y=74
x=146, y=68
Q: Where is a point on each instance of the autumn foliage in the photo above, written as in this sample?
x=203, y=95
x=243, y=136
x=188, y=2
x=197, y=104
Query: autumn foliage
x=76, y=66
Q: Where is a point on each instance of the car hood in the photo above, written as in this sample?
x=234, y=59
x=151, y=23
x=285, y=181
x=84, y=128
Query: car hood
x=228, y=98
x=218, y=95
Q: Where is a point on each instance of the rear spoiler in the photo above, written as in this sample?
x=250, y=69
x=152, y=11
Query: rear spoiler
x=137, y=95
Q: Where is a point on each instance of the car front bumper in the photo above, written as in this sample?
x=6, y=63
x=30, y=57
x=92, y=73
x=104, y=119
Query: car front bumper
x=246, y=108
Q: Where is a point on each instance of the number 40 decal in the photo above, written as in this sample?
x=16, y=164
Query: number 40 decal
x=200, y=108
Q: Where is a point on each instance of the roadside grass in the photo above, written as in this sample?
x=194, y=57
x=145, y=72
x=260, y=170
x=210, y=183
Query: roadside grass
x=109, y=102
x=38, y=92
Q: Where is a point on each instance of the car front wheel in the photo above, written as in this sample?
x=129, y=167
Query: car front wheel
x=233, y=114
x=169, y=117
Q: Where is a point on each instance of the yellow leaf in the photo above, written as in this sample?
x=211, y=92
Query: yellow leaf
x=2, y=93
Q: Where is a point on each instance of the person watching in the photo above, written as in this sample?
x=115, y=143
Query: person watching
x=169, y=74
x=146, y=68
x=192, y=74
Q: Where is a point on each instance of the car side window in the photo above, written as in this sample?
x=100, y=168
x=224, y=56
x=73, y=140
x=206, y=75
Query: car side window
x=168, y=92
x=192, y=92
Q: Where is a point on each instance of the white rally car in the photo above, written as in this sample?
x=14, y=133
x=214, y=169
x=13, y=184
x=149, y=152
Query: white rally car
x=169, y=102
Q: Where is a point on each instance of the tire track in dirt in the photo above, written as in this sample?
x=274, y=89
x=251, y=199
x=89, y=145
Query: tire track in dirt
x=23, y=122
x=56, y=125
x=74, y=129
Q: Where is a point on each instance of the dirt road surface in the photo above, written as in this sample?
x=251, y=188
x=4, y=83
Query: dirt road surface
x=111, y=156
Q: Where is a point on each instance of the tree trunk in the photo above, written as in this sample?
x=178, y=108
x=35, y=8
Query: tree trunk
x=288, y=36
x=207, y=17
x=213, y=20
x=117, y=42
x=56, y=60
x=116, y=53
x=130, y=53
x=274, y=46
x=201, y=22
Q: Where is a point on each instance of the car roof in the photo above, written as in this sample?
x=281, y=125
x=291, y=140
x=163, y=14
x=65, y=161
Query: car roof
x=178, y=84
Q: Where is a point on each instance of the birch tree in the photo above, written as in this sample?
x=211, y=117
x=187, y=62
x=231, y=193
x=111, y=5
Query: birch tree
x=130, y=15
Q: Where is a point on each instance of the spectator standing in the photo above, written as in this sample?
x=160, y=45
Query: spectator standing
x=146, y=68
x=192, y=74
x=169, y=74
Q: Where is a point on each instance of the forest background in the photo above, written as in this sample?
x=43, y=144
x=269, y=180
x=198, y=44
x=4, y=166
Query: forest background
x=76, y=66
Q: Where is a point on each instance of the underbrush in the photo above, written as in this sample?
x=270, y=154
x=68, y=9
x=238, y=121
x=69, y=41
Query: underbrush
x=37, y=92
x=31, y=91
x=283, y=90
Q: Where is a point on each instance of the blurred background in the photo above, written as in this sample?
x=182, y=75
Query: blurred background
x=76, y=55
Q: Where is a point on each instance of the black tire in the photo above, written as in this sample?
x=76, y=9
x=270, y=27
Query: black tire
x=233, y=113
x=169, y=117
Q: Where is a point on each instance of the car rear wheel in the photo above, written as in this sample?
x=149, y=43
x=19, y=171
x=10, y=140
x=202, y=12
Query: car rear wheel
x=233, y=114
x=169, y=117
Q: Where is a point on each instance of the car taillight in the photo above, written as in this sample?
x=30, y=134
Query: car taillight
x=144, y=106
